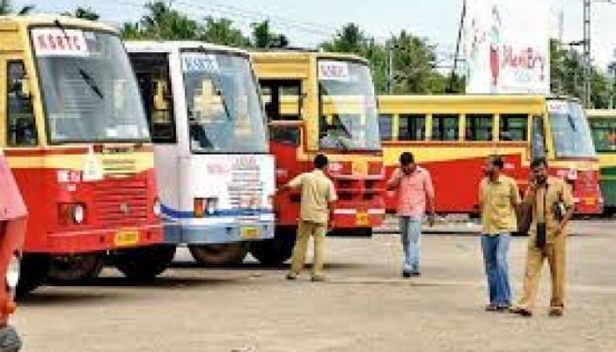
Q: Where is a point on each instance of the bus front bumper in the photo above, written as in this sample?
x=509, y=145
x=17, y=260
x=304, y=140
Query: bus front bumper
x=75, y=242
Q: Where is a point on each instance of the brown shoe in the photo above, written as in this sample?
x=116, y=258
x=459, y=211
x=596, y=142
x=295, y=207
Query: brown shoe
x=291, y=276
x=521, y=311
x=556, y=312
x=318, y=278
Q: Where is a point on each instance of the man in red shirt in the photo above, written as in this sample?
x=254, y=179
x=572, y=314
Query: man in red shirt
x=414, y=190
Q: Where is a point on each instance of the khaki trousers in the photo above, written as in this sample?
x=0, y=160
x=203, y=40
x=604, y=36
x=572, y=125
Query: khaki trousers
x=555, y=255
x=306, y=229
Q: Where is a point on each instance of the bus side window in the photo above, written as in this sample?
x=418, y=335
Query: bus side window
x=286, y=135
x=479, y=127
x=513, y=127
x=282, y=99
x=21, y=124
x=445, y=127
x=155, y=85
x=385, y=127
x=538, y=138
x=412, y=127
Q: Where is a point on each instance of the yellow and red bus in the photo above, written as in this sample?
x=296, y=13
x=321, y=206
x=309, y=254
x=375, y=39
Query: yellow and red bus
x=320, y=102
x=451, y=135
x=603, y=127
x=76, y=138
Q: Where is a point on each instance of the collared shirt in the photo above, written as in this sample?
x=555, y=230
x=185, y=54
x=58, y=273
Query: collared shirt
x=317, y=192
x=557, y=191
x=412, y=192
x=498, y=200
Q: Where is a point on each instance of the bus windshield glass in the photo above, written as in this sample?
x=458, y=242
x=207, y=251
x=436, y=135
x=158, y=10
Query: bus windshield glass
x=88, y=87
x=349, y=118
x=224, y=108
x=572, y=138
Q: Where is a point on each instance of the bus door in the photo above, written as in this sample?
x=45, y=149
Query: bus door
x=154, y=78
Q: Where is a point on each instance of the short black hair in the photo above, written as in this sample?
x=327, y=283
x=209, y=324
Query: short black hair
x=320, y=161
x=497, y=161
x=407, y=158
x=541, y=161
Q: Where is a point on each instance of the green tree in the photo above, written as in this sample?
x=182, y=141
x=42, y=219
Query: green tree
x=414, y=65
x=131, y=31
x=163, y=22
x=7, y=9
x=264, y=37
x=221, y=31
x=86, y=13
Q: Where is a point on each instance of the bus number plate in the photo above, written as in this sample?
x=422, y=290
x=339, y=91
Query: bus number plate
x=362, y=219
x=126, y=238
x=249, y=232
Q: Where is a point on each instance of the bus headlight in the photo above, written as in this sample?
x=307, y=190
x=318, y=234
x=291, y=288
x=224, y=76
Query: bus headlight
x=572, y=175
x=12, y=272
x=78, y=213
x=157, y=208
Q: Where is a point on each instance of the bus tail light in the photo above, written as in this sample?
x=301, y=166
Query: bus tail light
x=199, y=207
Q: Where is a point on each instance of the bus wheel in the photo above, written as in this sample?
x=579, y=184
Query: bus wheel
x=72, y=269
x=34, y=269
x=219, y=254
x=276, y=251
x=144, y=263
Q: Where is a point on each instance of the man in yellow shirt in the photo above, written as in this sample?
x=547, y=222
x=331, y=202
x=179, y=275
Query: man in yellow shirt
x=317, y=205
x=498, y=198
x=553, y=207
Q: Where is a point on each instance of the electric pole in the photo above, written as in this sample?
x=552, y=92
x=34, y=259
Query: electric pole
x=587, y=54
x=587, y=58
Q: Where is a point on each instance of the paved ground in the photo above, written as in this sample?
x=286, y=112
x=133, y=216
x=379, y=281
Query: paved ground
x=364, y=307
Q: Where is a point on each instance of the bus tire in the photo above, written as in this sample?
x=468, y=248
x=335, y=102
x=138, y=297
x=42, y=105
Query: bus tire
x=274, y=252
x=34, y=270
x=144, y=263
x=219, y=254
x=74, y=269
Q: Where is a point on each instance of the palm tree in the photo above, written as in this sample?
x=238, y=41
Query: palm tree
x=7, y=9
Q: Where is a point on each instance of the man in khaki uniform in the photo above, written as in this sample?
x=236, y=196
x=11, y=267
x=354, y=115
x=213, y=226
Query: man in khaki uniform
x=498, y=198
x=552, y=209
x=317, y=204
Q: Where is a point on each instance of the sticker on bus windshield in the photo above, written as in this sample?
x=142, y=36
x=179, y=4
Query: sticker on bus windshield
x=558, y=107
x=56, y=42
x=199, y=62
x=334, y=71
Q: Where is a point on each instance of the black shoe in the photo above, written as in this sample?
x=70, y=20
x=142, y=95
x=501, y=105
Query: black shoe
x=416, y=273
x=406, y=274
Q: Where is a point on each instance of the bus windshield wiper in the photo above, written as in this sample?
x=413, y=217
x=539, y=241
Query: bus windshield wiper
x=83, y=74
x=91, y=83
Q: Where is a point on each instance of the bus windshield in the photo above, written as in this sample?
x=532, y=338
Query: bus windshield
x=224, y=108
x=349, y=118
x=88, y=87
x=570, y=129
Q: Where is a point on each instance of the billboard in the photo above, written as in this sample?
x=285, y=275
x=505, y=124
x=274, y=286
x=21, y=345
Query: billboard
x=507, y=47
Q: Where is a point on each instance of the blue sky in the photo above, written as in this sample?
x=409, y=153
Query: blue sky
x=309, y=22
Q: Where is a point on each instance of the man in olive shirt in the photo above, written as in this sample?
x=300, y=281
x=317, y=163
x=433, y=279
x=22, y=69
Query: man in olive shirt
x=317, y=205
x=498, y=198
x=553, y=207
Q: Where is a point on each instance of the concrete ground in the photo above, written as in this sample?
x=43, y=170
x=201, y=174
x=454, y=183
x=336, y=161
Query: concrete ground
x=365, y=305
